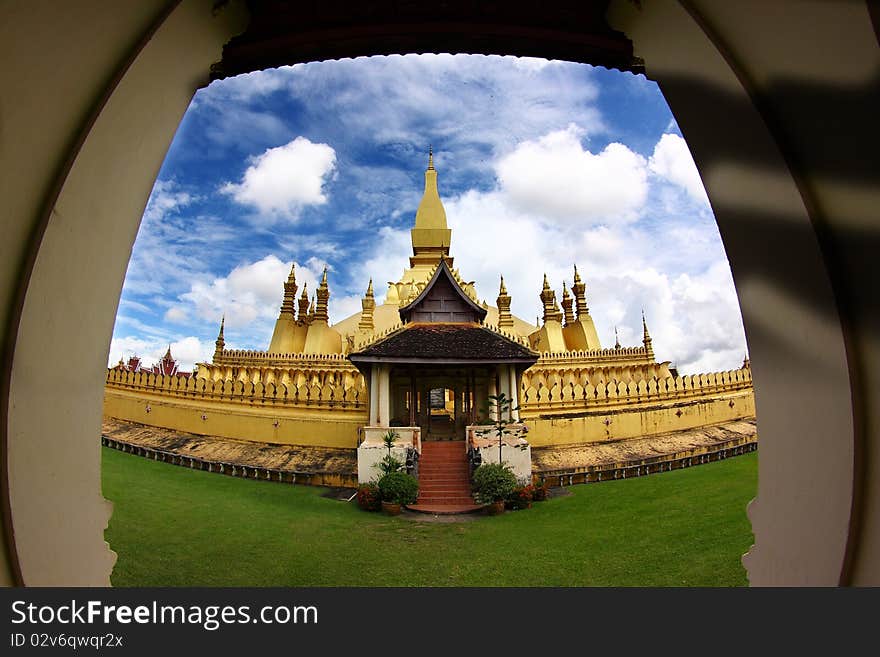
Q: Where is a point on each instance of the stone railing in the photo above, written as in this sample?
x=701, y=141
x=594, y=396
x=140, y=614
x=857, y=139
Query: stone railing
x=318, y=388
x=246, y=357
x=593, y=356
x=572, y=390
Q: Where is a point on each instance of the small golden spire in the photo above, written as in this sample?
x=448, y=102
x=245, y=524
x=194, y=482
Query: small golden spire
x=505, y=319
x=646, y=337
x=303, y=309
x=548, y=299
x=219, y=344
x=430, y=157
x=287, y=304
x=566, y=305
x=368, y=303
x=580, y=298
x=320, y=313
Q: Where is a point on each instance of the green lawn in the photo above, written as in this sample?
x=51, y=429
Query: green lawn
x=172, y=526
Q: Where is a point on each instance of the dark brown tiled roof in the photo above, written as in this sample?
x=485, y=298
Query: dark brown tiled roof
x=446, y=342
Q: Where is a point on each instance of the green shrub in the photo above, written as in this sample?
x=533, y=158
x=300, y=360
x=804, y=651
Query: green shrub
x=398, y=487
x=493, y=482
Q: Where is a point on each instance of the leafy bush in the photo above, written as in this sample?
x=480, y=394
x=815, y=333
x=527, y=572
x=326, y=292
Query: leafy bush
x=398, y=487
x=493, y=482
x=369, y=498
x=521, y=497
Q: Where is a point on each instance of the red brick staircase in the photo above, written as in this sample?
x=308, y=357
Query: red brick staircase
x=444, y=480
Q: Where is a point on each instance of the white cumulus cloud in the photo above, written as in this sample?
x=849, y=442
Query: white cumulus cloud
x=672, y=161
x=555, y=177
x=285, y=179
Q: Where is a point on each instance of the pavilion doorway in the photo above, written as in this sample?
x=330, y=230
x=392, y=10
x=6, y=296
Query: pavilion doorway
x=441, y=401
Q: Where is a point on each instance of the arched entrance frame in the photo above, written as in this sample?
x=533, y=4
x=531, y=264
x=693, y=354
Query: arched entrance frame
x=795, y=232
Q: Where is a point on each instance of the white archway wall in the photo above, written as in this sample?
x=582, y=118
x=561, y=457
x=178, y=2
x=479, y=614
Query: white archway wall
x=59, y=366
x=812, y=438
x=802, y=376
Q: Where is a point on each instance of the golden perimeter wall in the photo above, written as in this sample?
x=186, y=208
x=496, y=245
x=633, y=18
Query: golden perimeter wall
x=558, y=402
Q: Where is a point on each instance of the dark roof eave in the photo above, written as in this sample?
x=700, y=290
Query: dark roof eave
x=355, y=358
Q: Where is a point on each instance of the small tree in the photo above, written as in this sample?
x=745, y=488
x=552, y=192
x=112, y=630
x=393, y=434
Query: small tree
x=390, y=463
x=498, y=406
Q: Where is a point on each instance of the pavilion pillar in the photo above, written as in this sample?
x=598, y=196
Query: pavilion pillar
x=384, y=396
x=493, y=390
x=413, y=399
x=510, y=392
x=374, y=396
x=514, y=394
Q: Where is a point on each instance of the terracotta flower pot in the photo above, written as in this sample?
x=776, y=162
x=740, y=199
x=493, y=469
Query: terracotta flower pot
x=391, y=508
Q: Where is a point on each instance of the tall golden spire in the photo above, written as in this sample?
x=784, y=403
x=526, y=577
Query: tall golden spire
x=646, y=337
x=566, y=305
x=321, y=314
x=287, y=305
x=430, y=236
x=219, y=344
x=505, y=319
x=303, y=309
x=548, y=299
x=580, y=298
x=368, y=303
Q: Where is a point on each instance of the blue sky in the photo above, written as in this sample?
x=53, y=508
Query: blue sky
x=541, y=165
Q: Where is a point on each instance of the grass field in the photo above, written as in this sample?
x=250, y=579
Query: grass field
x=172, y=526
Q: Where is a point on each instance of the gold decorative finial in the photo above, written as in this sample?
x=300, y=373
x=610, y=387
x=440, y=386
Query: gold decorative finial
x=370, y=288
x=616, y=339
x=430, y=157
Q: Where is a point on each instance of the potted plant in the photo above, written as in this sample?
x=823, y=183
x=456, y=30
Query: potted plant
x=368, y=497
x=541, y=491
x=520, y=498
x=396, y=490
x=493, y=483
